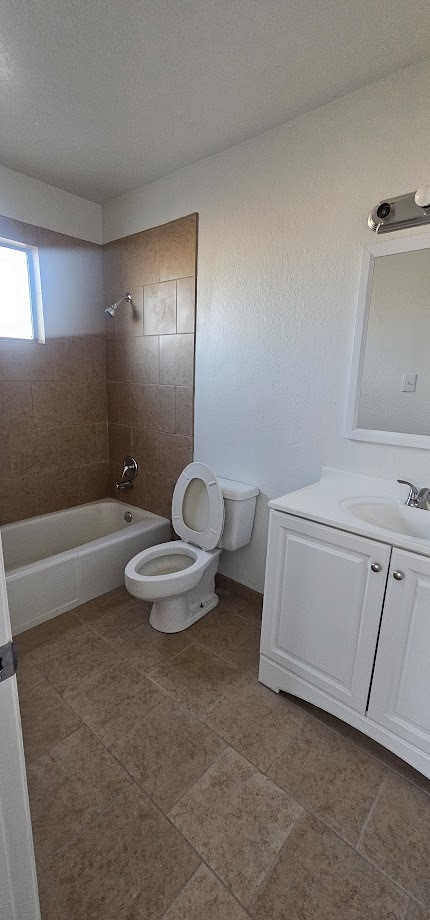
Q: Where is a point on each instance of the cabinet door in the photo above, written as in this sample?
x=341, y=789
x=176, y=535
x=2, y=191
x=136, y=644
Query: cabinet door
x=322, y=605
x=400, y=695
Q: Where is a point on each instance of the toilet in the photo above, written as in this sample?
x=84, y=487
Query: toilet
x=209, y=514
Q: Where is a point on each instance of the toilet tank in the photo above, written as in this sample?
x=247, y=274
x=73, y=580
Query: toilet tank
x=239, y=506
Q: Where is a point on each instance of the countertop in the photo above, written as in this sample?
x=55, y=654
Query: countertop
x=323, y=502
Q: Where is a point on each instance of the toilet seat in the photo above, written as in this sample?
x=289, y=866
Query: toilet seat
x=198, y=507
x=153, y=585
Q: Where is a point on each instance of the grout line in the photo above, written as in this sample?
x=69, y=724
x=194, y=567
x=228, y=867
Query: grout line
x=369, y=816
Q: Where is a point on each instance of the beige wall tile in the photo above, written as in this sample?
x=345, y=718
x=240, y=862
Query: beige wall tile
x=177, y=248
x=185, y=411
x=91, y=401
x=16, y=406
x=186, y=304
x=102, y=443
x=119, y=442
x=177, y=359
x=131, y=405
x=25, y=361
x=112, y=401
x=72, y=357
x=99, y=357
x=176, y=452
x=94, y=482
x=58, y=492
x=159, y=308
x=129, y=316
x=144, y=448
x=19, y=498
x=55, y=403
x=33, y=450
x=141, y=359
x=160, y=407
x=159, y=494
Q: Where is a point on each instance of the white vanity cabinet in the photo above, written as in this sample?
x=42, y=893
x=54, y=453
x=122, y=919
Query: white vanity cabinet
x=400, y=695
x=346, y=626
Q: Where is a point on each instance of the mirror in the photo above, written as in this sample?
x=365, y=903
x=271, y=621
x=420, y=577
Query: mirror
x=390, y=378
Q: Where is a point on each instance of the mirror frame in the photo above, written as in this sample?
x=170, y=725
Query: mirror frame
x=370, y=253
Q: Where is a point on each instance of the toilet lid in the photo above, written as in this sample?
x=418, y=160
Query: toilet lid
x=198, y=506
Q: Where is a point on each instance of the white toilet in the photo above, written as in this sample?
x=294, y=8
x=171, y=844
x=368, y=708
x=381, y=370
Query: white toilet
x=209, y=515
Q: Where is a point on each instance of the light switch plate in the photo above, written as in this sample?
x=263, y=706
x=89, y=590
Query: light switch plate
x=409, y=383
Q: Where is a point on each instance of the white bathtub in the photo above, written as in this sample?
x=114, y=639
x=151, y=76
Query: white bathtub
x=55, y=562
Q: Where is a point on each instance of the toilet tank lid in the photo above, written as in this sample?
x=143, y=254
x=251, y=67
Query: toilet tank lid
x=238, y=491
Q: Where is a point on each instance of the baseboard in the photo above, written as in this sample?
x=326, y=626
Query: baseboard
x=235, y=587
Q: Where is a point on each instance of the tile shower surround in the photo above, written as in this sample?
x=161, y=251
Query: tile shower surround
x=150, y=357
x=62, y=418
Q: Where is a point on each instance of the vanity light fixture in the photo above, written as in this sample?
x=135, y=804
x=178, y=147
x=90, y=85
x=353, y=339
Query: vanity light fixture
x=411, y=210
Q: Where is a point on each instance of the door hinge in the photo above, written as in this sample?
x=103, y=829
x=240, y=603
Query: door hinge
x=8, y=661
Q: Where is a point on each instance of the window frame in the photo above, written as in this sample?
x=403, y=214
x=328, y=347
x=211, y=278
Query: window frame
x=35, y=291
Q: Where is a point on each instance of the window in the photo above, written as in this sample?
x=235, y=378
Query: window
x=20, y=295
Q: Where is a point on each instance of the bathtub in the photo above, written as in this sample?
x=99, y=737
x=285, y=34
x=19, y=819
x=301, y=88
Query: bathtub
x=55, y=562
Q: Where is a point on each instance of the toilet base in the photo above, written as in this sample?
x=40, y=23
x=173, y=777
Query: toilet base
x=173, y=614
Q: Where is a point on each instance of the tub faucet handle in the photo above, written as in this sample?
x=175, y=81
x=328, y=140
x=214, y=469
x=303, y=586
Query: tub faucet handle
x=129, y=473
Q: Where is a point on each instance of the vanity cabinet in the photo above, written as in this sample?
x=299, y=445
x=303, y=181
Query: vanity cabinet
x=346, y=626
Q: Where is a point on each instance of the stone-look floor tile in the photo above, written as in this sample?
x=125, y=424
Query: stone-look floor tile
x=237, y=820
x=227, y=635
x=204, y=898
x=146, y=649
x=197, y=677
x=397, y=835
x=28, y=676
x=127, y=857
x=113, y=614
x=112, y=701
x=46, y=634
x=365, y=742
x=255, y=721
x=330, y=776
x=67, y=661
x=67, y=787
x=168, y=752
x=46, y=720
x=319, y=876
x=417, y=912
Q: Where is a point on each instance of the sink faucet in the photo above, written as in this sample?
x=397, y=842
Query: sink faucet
x=417, y=498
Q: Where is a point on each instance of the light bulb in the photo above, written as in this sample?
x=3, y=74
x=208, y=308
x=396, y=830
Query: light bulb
x=422, y=196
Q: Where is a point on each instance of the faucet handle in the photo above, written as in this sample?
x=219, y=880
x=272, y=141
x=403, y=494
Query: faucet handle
x=413, y=491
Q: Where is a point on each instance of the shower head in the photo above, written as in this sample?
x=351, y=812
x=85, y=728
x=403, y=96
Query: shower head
x=112, y=310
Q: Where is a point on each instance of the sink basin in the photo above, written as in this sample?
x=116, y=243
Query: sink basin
x=389, y=514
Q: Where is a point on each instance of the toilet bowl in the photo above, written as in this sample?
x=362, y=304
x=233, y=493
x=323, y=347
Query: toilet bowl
x=209, y=514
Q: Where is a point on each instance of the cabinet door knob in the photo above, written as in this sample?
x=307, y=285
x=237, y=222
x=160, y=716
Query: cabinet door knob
x=376, y=567
x=399, y=576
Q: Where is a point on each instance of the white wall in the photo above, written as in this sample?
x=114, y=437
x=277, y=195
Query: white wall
x=36, y=203
x=398, y=343
x=72, y=284
x=282, y=221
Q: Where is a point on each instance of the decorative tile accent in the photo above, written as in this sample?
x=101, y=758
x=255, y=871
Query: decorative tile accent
x=159, y=308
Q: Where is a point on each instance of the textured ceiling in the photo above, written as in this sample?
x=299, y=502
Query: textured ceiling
x=101, y=96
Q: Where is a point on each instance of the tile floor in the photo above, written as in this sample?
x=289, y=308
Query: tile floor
x=166, y=782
